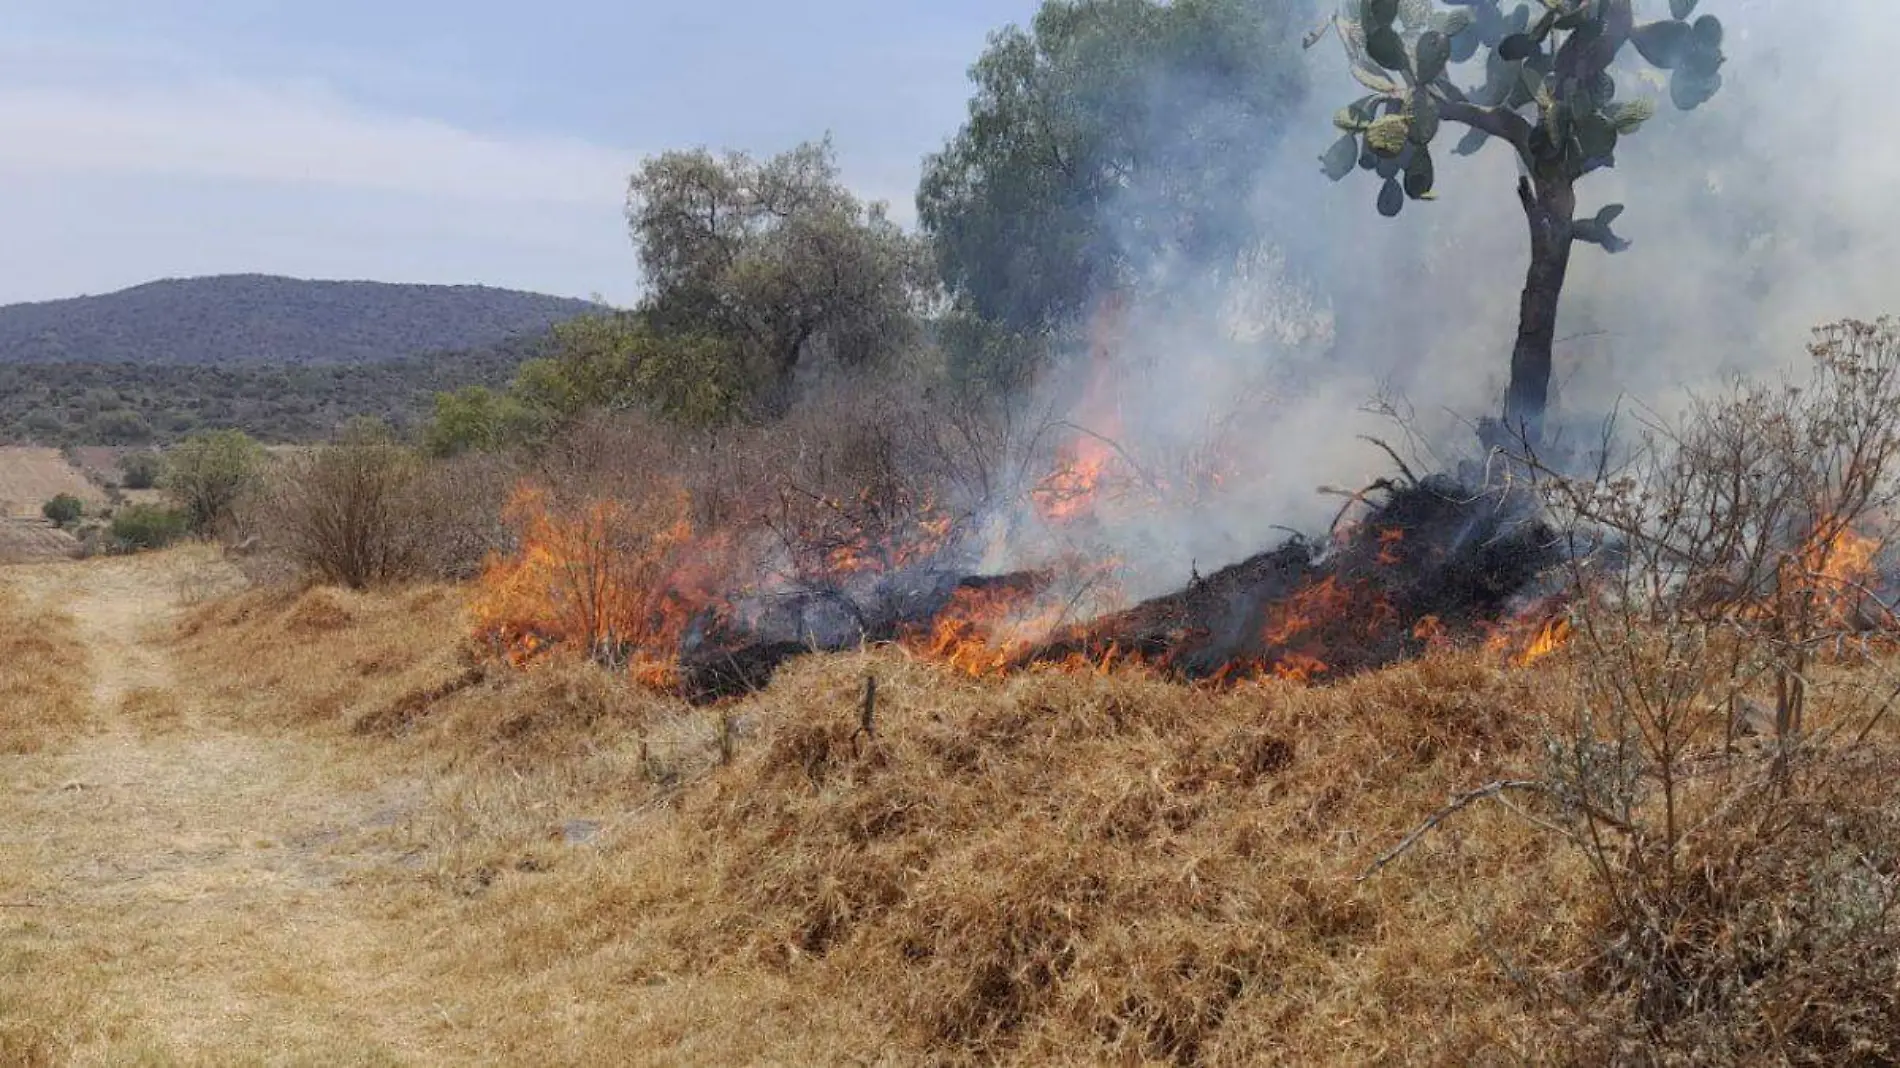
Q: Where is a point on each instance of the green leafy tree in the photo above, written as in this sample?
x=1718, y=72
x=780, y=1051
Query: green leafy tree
x=1553, y=92
x=477, y=419
x=776, y=259
x=1109, y=137
x=209, y=473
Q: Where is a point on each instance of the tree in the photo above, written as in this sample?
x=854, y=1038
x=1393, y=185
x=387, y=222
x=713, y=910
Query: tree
x=209, y=473
x=1110, y=137
x=1550, y=92
x=777, y=259
x=476, y=419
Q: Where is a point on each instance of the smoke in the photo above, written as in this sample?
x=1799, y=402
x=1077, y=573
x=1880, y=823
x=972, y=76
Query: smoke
x=1754, y=218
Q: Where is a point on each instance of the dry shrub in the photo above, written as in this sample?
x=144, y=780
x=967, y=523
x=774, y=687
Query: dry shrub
x=318, y=611
x=368, y=511
x=43, y=675
x=866, y=469
x=1742, y=890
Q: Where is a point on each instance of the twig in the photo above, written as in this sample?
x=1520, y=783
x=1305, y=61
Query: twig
x=1457, y=805
x=1389, y=451
x=1384, y=484
x=867, y=714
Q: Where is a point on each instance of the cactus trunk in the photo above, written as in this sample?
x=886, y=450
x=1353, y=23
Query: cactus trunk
x=1549, y=205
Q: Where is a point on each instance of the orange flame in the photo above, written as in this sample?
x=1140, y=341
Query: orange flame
x=617, y=581
x=1838, y=569
x=1552, y=636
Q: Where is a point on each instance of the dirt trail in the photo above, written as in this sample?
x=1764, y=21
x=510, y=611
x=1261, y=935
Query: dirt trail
x=196, y=890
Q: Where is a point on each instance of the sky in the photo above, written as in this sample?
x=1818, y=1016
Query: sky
x=475, y=141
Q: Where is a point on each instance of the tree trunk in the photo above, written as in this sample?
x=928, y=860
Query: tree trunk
x=1549, y=206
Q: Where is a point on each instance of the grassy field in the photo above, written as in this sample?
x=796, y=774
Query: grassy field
x=303, y=826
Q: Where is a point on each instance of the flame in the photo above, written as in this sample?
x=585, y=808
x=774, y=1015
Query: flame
x=1552, y=636
x=974, y=633
x=1087, y=465
x=1389, y=540
x=1529, y=638
x=1072, y=490
x=617, y=581
x=1838, y=569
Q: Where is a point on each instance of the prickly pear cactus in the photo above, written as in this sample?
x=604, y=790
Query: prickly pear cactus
x=1547, y=77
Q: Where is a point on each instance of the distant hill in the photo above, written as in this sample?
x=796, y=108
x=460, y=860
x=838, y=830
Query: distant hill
x=239, y=320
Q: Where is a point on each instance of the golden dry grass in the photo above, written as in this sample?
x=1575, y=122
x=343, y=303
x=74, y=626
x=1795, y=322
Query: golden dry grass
x=462, y=865
x=43, y=672
x=1053, y=867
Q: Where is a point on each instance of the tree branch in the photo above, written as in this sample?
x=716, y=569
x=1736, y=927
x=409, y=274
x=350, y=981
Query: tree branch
x=1504, y=125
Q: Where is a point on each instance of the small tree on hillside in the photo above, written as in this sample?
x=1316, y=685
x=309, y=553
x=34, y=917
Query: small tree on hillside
x=1550, y=92
x=63, y=510
x=140, y=470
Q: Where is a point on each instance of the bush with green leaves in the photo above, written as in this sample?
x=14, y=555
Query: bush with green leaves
x=64, y=510
x=210, y=473
x=147, y=526
x=140, y=470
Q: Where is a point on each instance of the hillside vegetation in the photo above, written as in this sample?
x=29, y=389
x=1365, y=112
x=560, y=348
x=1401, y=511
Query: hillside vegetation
x=155, y=404
x=259, y=319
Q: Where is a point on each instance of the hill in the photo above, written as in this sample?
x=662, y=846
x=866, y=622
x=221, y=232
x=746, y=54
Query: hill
x=236, y=320
x=155, y=404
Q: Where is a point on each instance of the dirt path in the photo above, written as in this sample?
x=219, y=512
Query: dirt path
x=184, y=890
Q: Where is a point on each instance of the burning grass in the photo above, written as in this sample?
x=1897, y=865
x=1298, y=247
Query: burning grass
x=695, y=613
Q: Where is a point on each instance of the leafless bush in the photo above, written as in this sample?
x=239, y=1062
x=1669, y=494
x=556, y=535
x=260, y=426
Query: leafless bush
x=346, y=513
x=867, y=470
x=1717, y=572
x=368, y=510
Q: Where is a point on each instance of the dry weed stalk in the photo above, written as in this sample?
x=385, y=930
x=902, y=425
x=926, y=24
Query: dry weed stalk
x=1720, y=579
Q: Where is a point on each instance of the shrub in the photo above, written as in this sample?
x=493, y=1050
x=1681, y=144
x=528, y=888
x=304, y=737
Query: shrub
x=341, y=511
x=64, y=510
x=148, y=526
x=1717, y=593
x=210, y=473
x=140, y=470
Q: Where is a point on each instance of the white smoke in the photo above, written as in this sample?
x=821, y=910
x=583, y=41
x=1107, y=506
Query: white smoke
x=1754, y=218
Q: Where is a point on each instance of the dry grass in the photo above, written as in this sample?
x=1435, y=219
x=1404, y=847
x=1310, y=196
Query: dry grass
x=43, y=673
x=1049, y=869
x=1057, y=867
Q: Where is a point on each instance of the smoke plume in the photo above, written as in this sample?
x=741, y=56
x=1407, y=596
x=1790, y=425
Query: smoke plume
x=1754, y=218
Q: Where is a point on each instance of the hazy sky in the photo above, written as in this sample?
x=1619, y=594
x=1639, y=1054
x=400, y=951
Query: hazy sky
x=427, y=140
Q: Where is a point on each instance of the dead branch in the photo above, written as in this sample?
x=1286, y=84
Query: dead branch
x=1389, y=451
x=1458, y=804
